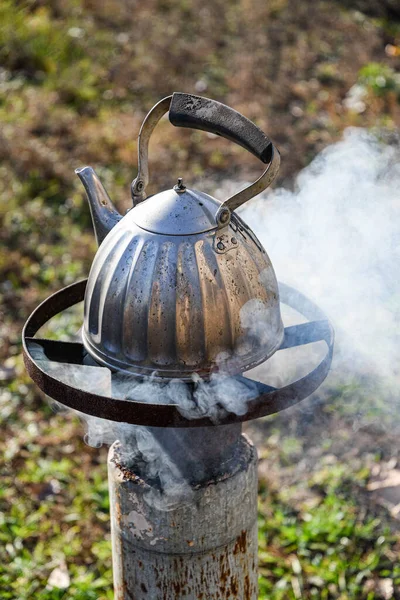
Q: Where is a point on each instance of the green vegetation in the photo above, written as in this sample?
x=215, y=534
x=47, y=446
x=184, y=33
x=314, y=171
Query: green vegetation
x=380, y=78
x=76, y=80
x=326, y=545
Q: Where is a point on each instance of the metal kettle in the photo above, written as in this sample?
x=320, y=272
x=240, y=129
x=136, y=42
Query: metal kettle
x=180, y=284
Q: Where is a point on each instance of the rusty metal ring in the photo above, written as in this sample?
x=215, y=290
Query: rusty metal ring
x=269, y=401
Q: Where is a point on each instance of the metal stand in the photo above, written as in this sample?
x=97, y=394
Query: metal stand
x=267, y=400
x=203, y=549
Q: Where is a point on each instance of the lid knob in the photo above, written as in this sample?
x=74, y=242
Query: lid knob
x=180, y=187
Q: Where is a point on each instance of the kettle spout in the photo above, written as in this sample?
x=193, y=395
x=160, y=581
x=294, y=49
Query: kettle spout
x=104, y=214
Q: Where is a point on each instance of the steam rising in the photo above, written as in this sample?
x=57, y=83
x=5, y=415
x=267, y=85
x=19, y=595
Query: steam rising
x=142, y=451
x=337, y=239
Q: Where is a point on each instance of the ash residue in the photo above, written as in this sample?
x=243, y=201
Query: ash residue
x=128, y=474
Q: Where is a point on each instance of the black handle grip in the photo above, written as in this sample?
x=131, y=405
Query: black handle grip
x=197, y=112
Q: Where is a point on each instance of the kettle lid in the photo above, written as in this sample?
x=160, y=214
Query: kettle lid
x=178, y=211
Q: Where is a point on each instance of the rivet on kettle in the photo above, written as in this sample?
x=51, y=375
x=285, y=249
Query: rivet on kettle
x=224, y=216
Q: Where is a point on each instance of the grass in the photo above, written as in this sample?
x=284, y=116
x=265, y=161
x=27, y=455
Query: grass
x=76, y=80
x=325, y=547
x=54, y=511
x=380, y=79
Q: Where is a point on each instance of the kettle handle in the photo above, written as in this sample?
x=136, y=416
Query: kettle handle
x=196, y=112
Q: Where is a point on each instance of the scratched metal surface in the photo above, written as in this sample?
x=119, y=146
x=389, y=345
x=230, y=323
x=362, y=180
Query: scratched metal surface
x=173, y=304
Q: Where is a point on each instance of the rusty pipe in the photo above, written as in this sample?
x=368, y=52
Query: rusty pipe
x=205, y=549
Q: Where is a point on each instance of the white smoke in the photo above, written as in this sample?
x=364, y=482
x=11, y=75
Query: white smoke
x=141, y=448
x=337, y=239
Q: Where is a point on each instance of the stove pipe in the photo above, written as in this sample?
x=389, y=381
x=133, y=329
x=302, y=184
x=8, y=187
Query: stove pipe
x=203, y=549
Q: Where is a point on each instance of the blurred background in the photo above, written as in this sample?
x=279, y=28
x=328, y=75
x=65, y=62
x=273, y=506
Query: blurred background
x=76, y=80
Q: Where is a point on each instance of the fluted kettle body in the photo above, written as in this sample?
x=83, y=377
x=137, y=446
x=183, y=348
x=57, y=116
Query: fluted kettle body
x=173, y=304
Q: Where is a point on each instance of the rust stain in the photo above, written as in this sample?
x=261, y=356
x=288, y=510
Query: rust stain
x=247, y=592
x=234, y=587
x=177, y=587
x=225, y=571
x=127, y=474
x=118, y=509
x=241, y=543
